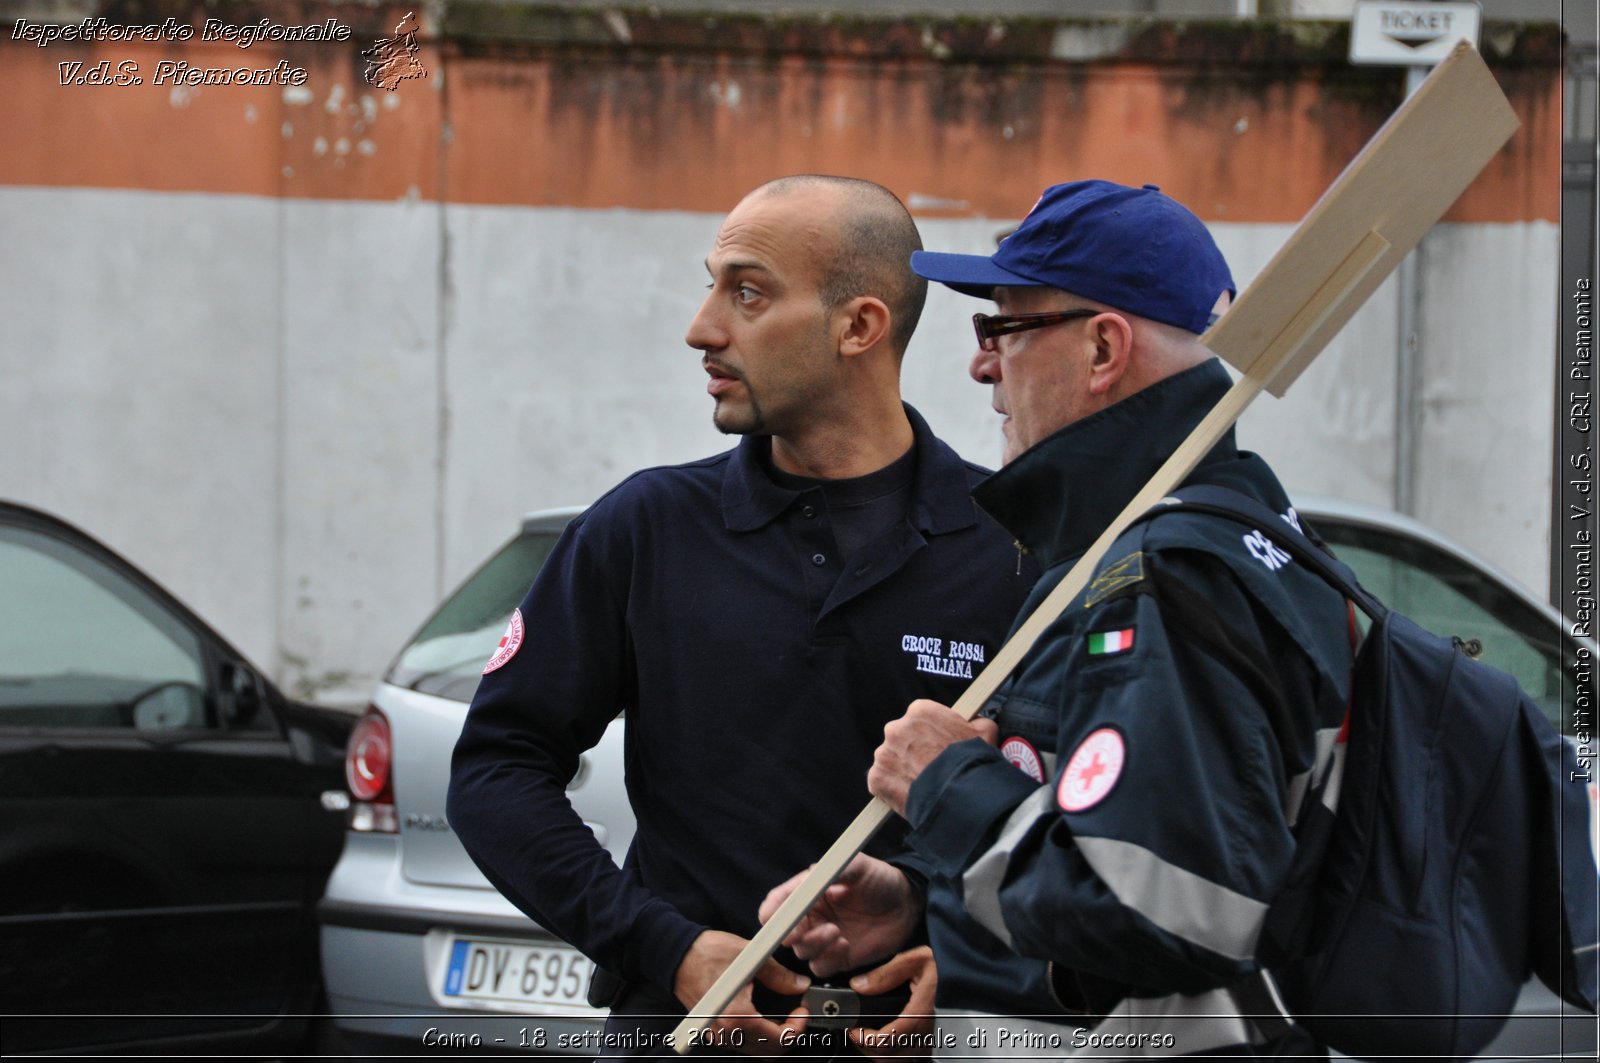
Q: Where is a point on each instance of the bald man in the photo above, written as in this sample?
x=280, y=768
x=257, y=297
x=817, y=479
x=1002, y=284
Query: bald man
x=758, y=616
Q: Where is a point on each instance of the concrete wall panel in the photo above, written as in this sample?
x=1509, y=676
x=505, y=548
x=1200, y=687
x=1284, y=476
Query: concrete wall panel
x=361, y=436
x=1488, y=385
x=139, y=385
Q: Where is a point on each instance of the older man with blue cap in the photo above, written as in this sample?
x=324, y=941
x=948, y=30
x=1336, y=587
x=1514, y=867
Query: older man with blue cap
x=1109, y=836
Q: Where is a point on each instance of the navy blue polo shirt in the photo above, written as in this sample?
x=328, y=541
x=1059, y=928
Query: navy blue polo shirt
x=757, y=668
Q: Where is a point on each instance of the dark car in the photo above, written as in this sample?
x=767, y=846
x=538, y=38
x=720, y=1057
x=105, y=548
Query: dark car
x=168, y=817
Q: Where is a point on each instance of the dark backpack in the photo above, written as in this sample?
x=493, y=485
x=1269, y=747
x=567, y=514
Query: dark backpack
x=1444, y=861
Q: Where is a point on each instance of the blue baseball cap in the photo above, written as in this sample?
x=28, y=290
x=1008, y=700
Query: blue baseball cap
x=1130, y=248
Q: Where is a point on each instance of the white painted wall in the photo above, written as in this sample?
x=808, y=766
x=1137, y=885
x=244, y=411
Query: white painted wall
x=310, y=419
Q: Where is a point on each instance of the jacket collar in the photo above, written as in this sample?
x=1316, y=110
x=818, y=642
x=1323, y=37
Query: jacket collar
x=941, y=503
x=1059, y=495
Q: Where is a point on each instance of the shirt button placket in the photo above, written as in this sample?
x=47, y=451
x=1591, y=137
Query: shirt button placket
x=809, y=520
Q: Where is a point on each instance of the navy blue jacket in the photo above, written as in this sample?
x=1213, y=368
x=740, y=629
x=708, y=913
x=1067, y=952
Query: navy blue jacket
x=757, y=670
x=1196, y=674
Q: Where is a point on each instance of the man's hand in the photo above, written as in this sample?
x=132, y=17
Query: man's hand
x=740, y=1027
x=912, y=1032
x=912, y=742
x=863, y=917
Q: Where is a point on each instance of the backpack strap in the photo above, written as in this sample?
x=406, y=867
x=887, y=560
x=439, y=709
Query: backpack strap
x=1212, y=633
x=1242, y=509
x=1313, y=555
x=1257, y=993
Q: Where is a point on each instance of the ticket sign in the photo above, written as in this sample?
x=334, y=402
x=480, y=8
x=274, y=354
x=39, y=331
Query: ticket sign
x=1417, y=34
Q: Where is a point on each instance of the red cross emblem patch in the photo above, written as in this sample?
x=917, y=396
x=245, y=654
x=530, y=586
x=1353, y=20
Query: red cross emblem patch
x=1092, y=771
x=510, y=642
x=1023, y=757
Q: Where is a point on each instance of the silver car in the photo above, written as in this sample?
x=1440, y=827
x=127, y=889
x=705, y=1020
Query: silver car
x=418, y=950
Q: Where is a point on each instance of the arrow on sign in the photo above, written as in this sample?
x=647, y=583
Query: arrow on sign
x=1415, y=42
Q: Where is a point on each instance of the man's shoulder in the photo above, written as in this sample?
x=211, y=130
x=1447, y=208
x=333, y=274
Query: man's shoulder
x=1203, y=541
x=668, y=477
x=1236, y=543
x=650, y=488
x=1217, y=559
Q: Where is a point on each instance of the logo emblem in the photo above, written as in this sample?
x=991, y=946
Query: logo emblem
x=510, y=642
x=1092, y=772
x=1023, y=757
x=1266, y=551
x=394, y=59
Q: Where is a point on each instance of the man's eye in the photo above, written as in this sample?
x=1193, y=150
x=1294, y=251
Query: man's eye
x=746, y=294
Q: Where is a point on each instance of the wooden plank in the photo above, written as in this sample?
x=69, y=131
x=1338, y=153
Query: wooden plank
x=1354, y=236
x=1401, y=183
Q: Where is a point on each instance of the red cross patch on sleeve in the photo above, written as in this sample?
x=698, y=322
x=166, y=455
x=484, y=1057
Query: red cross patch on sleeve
x=1092, y=771
x=510, y=642
x=1023, y=757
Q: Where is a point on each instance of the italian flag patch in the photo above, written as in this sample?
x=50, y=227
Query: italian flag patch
x=1106, y=643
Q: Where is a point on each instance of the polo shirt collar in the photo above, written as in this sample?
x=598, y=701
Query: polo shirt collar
x=941, y=503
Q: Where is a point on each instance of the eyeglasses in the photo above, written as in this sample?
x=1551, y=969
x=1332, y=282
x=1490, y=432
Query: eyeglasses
x=990, y=327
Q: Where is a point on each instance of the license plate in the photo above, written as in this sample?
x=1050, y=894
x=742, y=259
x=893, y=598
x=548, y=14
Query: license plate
x=517, y=973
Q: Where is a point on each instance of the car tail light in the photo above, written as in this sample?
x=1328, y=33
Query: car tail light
x=368, y=763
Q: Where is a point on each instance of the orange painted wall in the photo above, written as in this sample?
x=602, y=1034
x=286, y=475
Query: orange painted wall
x=693, y=125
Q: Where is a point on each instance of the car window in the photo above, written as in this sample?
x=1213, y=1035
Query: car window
x=447, y=656
x=81, y=645
x=1448, y=597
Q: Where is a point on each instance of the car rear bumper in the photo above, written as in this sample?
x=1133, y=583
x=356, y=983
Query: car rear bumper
x=384, y=947
x=378, y=989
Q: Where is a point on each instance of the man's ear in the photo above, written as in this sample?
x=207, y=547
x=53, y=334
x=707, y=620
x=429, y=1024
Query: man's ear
x=1112, y=337
x=864, y=324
